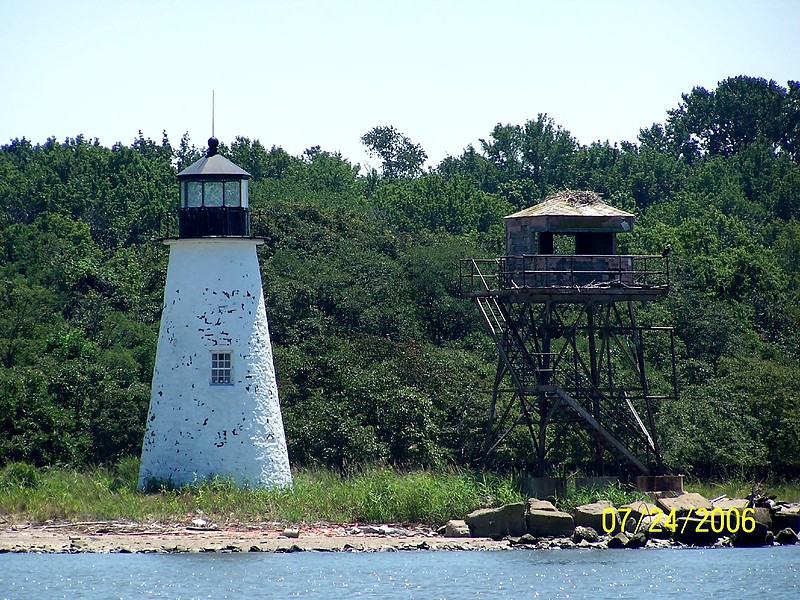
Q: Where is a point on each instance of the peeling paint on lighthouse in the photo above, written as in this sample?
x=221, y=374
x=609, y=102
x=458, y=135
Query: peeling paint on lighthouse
x=214, y=407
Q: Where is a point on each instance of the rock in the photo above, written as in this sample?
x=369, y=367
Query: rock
x=755, y=538
x=637, y=540
x=456, y=528
x=549, y=523
x=585, y=534
x=619, y=540
x=591, y=515
x=687, y=532
x=653, y=526
x=786, y=517
x=683, y=504
x=525, y=540
x=291, y=532
x=639, y=510
x=763, y=515
x=536, y=504
x=497, y=523
x=786, y=537
x=731, y=504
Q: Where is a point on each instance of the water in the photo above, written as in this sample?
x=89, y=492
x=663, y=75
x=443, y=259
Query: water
x=663, y=573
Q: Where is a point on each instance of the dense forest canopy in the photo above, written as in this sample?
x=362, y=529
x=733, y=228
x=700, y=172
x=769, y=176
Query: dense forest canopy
x=378, y=358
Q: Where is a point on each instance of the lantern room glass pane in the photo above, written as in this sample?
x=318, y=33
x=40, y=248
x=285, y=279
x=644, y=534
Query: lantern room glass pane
x=232, y=193
x=245, y=197
x=194, y=194
x=213, y=193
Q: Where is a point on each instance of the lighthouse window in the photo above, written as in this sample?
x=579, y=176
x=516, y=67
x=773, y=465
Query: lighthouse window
x=194, y=193
x=232, y=194
x=221, y=368
x=213, y=193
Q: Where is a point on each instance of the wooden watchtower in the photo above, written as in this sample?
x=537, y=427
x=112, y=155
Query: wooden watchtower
x=560, y=309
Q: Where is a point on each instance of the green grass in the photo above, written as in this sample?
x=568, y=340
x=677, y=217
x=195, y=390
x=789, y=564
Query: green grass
x=617, y=493
x=376, y=495
x=740, y=488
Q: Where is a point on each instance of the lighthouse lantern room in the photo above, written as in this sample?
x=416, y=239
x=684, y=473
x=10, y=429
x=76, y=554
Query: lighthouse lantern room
x=214, y=407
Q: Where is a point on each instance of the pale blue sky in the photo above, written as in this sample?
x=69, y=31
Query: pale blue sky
x=310, y=72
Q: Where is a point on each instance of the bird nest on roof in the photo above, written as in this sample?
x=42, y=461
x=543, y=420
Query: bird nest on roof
x=575, y=198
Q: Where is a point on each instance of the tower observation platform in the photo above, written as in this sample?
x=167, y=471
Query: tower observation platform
x=559, y=307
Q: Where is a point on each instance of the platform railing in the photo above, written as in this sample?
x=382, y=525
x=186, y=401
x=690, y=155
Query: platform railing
x=552, y=271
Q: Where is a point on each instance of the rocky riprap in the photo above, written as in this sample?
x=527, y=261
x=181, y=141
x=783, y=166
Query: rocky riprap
x=679, y=519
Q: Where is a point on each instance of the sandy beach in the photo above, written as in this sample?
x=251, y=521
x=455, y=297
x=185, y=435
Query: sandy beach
x=136, y=537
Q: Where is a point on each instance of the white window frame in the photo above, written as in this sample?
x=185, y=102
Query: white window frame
x=221, y=367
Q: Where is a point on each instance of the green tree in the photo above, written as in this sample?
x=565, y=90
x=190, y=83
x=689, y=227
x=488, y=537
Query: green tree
x=532, y=160
x=738, y=112
x=400, y=157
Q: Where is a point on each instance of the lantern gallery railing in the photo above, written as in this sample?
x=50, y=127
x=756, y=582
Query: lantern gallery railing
x=564, y=272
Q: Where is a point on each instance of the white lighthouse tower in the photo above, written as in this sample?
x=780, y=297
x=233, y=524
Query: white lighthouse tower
x=214, y=406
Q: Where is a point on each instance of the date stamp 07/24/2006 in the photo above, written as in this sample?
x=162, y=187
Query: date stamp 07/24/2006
x=716, y=520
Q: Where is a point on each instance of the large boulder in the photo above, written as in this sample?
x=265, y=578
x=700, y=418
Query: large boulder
x=654, y=526
x=536, y=504
x=748, y=539
x=585, y=534
x=684, y=504
x=497, y=523
x=786, y=517
x=727, y=504
x=591, y=515
x=761, y=531
x=695, y=532
x=549, y=523
x=637, y=540
x=456, y=528
x=638, y=512
x=763, y=515
x=620, y=540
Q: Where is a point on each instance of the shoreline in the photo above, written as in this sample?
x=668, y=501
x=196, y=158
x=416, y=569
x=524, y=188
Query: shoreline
x=100, y=537
x=133, y=538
